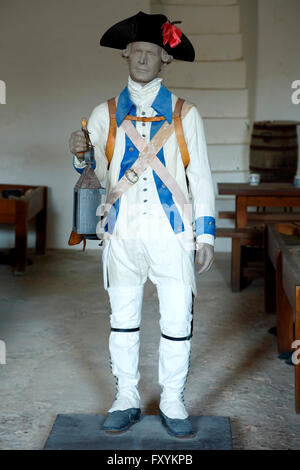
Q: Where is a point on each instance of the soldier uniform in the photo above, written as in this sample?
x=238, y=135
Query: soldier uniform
x=147, y=235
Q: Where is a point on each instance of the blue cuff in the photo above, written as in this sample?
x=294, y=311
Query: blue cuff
x=205, y=225
x=80, y=170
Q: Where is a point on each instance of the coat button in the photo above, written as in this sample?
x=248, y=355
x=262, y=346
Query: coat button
x=131, y=149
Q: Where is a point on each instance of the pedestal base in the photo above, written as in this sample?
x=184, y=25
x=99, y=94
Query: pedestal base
x=83, y=432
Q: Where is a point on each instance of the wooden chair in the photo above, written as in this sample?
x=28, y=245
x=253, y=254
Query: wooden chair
x=282, y=293
x=18, y=212
x=241, y=272
x=246, y=239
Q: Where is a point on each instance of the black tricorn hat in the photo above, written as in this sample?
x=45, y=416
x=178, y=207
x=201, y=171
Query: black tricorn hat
x=149, y=28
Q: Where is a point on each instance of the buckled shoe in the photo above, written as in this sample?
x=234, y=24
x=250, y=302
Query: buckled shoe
x=121, y=420
x=177, y=427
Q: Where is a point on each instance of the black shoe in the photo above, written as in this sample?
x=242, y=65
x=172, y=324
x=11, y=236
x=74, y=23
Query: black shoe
x=118, y=421
x=177, y=427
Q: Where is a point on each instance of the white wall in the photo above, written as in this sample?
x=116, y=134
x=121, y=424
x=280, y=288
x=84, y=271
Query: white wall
x=278, y=59
x=55, y=72
x=249, y=25
x=271, y=43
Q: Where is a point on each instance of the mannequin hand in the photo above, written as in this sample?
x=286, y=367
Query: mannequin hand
x=77, y=142
x=205, y=256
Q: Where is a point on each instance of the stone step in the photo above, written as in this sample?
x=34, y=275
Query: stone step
x=227, y=131
x=228, y=157
x=202, y=19
x=217, y=103
x=217, y=46
x=208, y=75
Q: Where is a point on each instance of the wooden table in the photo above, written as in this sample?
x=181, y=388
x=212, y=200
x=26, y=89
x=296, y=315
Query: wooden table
x=282, y=291
x=18, y=212
x=264, y=195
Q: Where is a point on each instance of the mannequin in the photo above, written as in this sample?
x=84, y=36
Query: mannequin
x=129, y=259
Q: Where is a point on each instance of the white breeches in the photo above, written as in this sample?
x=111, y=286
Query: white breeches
x=129, y=263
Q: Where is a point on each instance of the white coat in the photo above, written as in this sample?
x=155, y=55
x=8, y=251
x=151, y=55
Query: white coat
x=141, y=212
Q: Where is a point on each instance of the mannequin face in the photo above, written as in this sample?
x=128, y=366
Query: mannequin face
x=144, y=61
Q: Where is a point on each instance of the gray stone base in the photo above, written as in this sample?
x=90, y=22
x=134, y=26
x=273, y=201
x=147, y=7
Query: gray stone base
x=83, y=432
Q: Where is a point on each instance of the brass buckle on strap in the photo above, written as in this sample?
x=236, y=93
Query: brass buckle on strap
x=131, y=176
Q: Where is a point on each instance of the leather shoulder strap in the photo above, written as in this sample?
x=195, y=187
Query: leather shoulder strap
x=179, y=132
x=111, y=140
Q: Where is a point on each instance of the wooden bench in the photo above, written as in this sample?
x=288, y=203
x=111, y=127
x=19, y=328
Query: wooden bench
x=240, y=269
x=282, y=294
x=242, y=272
x=255, y=218
x=18, y=212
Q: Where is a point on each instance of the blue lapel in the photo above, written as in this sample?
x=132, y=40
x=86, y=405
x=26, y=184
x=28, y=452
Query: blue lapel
x=162, y=105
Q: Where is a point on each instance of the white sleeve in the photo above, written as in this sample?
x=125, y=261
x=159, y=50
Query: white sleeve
x=199, y=177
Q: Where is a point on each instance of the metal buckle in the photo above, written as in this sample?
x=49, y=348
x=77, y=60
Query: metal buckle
x=129, y=178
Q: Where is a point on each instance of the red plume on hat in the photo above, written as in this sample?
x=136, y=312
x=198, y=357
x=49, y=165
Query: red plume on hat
x=171, y=34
